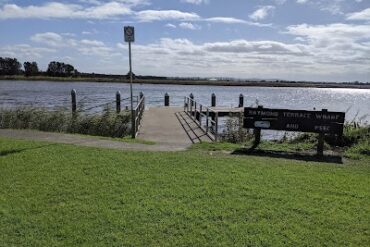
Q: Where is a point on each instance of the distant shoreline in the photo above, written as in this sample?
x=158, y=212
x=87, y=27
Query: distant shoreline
x=191, y=82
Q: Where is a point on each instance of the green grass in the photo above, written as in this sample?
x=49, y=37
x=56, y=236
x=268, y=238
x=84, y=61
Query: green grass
x=360, y=151
x=64, y=195
x=264, y=145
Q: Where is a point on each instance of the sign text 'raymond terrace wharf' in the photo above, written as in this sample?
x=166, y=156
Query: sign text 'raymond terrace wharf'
x=294, y=120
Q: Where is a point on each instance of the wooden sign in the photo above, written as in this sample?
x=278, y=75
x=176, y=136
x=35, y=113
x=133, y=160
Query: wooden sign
x=294, y=120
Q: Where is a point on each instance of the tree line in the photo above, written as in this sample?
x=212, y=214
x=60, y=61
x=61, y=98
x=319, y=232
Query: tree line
x=11, y=66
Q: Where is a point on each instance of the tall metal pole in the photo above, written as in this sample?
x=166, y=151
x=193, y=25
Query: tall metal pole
x=133, y=127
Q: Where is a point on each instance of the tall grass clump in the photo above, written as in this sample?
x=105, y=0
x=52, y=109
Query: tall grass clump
x=356, y=139
x=234, y=131
x=108, y=123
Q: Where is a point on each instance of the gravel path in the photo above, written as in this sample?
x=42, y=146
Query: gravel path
x=87, y=141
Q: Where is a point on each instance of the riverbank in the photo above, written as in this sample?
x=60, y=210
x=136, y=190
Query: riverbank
x=262, y=83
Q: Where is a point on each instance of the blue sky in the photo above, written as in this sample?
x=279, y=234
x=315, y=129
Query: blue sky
x=320, y=40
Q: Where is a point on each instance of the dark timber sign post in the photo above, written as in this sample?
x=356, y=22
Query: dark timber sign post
x=322, y=122
x=130, y=37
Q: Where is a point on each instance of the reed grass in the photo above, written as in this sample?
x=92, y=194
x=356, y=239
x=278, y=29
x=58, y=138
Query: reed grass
x=107, y=123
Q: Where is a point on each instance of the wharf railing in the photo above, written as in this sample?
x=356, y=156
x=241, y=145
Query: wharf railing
x=203, y=116
x=138, y=112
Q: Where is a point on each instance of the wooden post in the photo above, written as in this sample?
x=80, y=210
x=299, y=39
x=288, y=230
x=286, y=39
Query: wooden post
x=200, y=115
x=213, y=104
x=195, y=110
x=118, y=101
x=74, y=101
x=320, y=145
x=166, y=100
x=257, y=137
x=257, y=134
x=321, y=141
x=133, y=133
x=213, y=100
x=191, y=104
x=141, y=95
x=191, y=96
x=216, y=127
x=207, y=121
x=241, y=100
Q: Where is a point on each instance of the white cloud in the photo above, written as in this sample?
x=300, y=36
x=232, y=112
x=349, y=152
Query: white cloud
x=335, y=7
x=262, y=13
x=62, y=10
x=108, y=10
x=127, y=2
x=49, y=38
x=362, y=15
x=25, y=52
x=231, y=20
x=91, y=42
x=85, y=46
x=95, y=9
x=259, y=47
x=321, y=34
x=345, y=54
x=322, y=52
x=161, y=15
x=197, y=2
x=188, y=25
x=227, y=20
x=337, y=44
x=170, y=25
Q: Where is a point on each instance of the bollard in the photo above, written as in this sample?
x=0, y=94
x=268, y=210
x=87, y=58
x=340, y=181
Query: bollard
x=191, y=96
x=213, y=100
x=321, y=141
x=74, y=102
x=118, y=101
x=195, y=109
x=200, y=114
x=141, y=95
x=166, y=100
x=241, y=100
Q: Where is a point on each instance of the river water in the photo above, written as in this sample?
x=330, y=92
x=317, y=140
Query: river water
x=355, y=102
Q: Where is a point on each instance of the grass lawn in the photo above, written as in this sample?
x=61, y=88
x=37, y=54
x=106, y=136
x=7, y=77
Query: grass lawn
x=64, y=195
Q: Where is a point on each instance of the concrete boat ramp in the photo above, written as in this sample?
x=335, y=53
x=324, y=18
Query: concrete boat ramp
x=170, y=126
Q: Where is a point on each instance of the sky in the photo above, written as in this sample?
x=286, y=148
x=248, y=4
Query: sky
x=311, y=40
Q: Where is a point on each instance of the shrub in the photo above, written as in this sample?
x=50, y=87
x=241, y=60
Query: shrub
x=234, y=131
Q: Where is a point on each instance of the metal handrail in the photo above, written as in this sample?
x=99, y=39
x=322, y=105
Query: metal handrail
x=139, y=111
x=196, y=111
